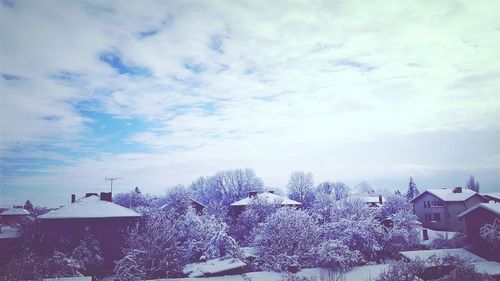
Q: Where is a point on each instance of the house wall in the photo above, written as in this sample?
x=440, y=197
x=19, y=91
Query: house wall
x=421, y=210
x=109, y=231
x=474, y=221
x=456, y=208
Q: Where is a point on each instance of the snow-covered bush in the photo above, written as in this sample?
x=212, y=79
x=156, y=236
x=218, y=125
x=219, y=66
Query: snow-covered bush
x=26, y=265
x=403, y=235
x=336, y=255
x=363, y=235
x=205, y=237
x=448, y=268
x=402, y=271
x=491, y=233
x=254, y=214
x=448, y=241
x=286, y=238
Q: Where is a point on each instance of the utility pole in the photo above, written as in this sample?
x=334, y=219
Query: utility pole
x=106, y=179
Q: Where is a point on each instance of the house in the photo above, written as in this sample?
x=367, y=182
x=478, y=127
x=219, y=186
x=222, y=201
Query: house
x=268, y=197
x=374, y=201
x=14, y=216
x=480, y=265
x=107, y=221
x=197, y=206
x=438, y=209
x=477, y=217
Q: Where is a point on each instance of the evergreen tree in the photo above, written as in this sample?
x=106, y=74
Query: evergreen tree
x=28, y=206
x=412, y=190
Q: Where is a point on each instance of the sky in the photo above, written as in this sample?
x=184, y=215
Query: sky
x=160, y=93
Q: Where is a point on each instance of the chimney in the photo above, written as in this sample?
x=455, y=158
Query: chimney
x=252, y=194
x=271, y=191
x=380, y=200
x=106, y=196
x=88, y=194
x=457, y=189
x=73, y=198
x=425, y=234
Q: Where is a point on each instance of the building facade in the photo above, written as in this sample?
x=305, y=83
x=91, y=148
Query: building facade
x=438, y=209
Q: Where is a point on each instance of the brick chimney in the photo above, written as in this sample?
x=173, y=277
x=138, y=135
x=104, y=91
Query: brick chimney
x=457, y=189
x=73, y=198
x=425, y=234
x=106, y=196
x=252, y=194
x=88, y=194
x=380, y=200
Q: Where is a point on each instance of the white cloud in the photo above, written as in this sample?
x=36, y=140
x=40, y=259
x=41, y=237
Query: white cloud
x=296, y=86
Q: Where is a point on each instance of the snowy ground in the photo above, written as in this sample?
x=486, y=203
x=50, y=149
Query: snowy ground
x=359, y=273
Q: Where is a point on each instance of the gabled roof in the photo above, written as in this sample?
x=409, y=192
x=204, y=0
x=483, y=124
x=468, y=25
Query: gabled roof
x=90, y=207
x=15, y=212
x=492, y=207
x=267, y=197
x=447, y=194
x=495, y=195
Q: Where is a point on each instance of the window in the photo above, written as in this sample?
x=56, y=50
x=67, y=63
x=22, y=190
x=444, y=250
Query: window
x=436, y=217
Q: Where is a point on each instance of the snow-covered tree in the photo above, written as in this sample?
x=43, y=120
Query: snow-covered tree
x=226, y=186
x=254, y=214
x=300, y=187
x=324, y=207
x=87, y=254
x=286, y=238
x=363, y=234
x=394, y=204
x=153, y=250
x=132, y=199
x=176, y=201
x=472, y=184
x=338, y=189
x=412, y=190
x=364, y=188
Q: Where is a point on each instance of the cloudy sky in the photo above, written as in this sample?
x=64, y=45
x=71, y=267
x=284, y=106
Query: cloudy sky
x=162, y=92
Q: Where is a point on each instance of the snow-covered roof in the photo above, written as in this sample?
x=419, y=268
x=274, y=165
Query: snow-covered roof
x=267, y=197
x=78, y=278
x=15, y=212
x=433, y=234
x=447, y=194
x=373, y=199
x=495, y=195
x=491, y=268
x=424, y=255
x=90, y=207
x=213, y=266
x=493, y=207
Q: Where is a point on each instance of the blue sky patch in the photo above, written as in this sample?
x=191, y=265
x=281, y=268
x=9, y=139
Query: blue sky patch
x=11, y=77
x=196, y=68
x=116, y=62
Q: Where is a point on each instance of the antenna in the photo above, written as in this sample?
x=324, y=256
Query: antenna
x=106, y=179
